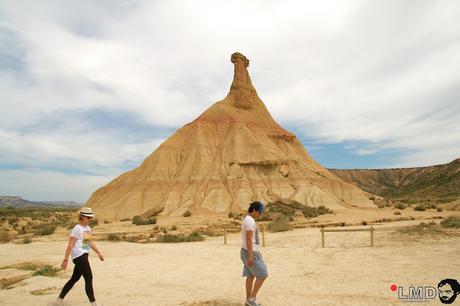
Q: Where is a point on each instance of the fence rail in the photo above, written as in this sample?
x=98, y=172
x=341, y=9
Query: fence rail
x=334, y=230
x=323, y=230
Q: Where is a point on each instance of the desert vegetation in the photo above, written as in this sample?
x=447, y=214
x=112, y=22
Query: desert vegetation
x=24, y=222
x=138, y=220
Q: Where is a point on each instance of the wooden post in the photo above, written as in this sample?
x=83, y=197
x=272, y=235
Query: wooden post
x=372, y=236
x=322, y=236
x=225, y=235
x=263, y=234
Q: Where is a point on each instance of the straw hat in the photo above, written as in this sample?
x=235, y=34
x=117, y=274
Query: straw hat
x=87, y=212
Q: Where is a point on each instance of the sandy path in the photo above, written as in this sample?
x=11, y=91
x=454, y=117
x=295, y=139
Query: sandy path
x=346, y=272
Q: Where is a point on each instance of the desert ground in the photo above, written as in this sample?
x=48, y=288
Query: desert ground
x=346, y=272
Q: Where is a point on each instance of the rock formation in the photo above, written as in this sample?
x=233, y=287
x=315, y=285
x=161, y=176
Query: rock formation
x=230, y=155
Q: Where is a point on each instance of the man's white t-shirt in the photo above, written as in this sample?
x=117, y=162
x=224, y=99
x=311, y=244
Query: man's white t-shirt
x=249, y=224
x=81, y=246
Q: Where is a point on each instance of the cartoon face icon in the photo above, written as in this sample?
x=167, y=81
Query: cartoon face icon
x=448, y=290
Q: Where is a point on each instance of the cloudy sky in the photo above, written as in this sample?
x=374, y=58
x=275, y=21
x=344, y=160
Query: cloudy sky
x=88, y=89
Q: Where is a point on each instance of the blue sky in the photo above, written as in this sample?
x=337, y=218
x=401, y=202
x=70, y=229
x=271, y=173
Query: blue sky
x=88, y=89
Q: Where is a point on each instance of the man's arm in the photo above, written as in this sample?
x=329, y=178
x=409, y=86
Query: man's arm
x=249, y=246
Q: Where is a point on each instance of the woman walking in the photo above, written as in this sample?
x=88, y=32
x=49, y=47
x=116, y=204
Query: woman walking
x=80, y=242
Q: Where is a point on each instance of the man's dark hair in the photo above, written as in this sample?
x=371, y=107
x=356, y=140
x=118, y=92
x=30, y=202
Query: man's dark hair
x=256, y=206
x=455, y=288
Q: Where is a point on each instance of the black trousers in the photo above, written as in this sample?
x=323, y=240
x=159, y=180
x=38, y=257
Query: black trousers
x=81, y=268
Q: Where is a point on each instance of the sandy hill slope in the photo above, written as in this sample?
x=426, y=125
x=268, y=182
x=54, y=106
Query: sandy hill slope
x=440, y=183
x=231, y=154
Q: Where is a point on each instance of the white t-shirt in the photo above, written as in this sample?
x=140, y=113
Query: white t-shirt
x=249, y=224
x=81, y=246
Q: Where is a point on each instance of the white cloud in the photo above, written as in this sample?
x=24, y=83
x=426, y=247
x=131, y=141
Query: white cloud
x=381, y=73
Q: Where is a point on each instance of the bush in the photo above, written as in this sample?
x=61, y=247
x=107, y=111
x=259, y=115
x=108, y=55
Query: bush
x=311, y=212
x=173, y=228
x=125, y=219
x=169, y=238
x=281, y=224
x=187, y=214
x=113, y=237
x=44, y=229
x=289, y=209
x=236, y=216
x=47, y=270
x=26, y=240
x=138, y=220
x=400, y=206
x=451, y=222
x=420, y=207
x=439, y=209
x=397, y=212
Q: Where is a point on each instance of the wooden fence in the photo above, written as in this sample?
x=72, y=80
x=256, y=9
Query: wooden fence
x=335, y=230
x=322, y=230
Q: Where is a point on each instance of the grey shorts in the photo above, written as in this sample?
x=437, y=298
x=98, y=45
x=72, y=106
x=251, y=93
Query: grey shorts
x=258, y=269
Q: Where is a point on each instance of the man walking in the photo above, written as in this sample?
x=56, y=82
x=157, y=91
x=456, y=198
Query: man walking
x=254, y=266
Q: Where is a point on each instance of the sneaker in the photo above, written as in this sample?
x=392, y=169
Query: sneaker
x=252, y=303
x=59, y=302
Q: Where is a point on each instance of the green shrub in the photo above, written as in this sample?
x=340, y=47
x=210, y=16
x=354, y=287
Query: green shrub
x=281, y=224
x=187, y=214
x=113, y=237
x=289, y=209
x=451, y=222
x=26, y=240
x=138, y=220
x=439, y=209
x=47, y=270
x=169, y=238
x=236, y=216
x=194, y=236
x=44, y=229
x=400, y=206
x=209, y=232
x=397, y=212
x=173, y=228
x=311, y=212
x=420, y=207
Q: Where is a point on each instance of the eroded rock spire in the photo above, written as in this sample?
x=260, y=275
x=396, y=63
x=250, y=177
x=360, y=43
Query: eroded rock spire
x=242, y=92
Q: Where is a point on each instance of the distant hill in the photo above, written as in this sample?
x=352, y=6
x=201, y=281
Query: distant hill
x=439, y=183
x=14, y=201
